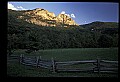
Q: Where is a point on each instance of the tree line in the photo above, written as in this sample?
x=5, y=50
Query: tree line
x=24, y=35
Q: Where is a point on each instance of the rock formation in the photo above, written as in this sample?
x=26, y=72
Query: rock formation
x=45, y=18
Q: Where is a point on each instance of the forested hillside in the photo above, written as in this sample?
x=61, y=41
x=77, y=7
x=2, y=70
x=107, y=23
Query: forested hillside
x=24, y=35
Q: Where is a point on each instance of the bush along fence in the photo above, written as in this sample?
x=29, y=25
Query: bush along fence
x=97, y=65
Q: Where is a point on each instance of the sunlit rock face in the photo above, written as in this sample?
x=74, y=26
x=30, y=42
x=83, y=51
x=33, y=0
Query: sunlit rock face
x=66, y=19
x=45, y=18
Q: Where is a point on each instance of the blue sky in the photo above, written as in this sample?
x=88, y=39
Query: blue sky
x=84, y=12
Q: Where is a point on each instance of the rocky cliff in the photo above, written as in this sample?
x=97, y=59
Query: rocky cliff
x=45, y=18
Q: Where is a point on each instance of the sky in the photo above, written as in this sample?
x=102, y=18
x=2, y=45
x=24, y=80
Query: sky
x=80, y=12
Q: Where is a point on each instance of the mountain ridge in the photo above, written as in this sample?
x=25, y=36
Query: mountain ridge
x=43, y=17
x=100, y=25
x=50, y=19
x=25, y=35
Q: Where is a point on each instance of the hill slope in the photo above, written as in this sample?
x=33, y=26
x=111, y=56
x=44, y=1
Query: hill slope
x=100, y=25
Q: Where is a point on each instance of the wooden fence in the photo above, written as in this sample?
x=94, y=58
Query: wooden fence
x=92, y=66
x=97, y=65
x=36, y=61
x=13, y=57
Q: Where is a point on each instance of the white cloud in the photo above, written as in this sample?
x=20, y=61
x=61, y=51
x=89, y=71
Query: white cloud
x=21, y=8
x=72, y=15
x=10, y=6
x=63, y=12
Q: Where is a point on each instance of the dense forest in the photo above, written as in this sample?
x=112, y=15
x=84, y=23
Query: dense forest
x=24, y=35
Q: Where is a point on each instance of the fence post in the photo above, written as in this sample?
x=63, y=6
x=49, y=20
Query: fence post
x=20, y=58
x=37, y=62
x=23, y=58
x=98, y=65
x=53, y=65
x=40, y=58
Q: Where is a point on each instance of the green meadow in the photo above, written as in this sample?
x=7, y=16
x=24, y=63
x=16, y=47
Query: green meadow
x=72, y=54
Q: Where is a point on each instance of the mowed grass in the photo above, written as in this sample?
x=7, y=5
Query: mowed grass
x=14, y=69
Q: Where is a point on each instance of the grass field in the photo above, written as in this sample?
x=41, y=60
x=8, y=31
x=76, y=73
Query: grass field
x=15, y=69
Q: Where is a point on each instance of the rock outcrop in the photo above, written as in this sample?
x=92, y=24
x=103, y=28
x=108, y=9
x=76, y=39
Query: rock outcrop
x=45, y=18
